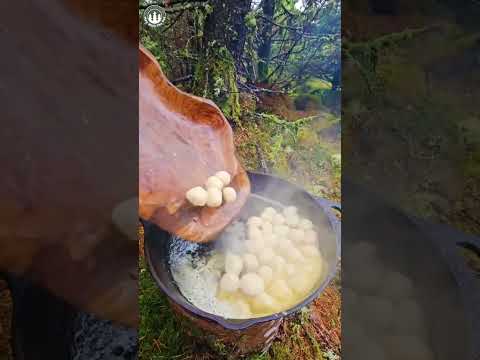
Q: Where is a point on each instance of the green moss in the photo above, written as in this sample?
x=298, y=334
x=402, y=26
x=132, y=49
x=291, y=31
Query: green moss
x=215, y=78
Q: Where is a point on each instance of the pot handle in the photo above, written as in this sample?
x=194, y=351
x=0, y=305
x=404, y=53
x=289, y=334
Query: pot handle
x=329, y=207
x=468, y=281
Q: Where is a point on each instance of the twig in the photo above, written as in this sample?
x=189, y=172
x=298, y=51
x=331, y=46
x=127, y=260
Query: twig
x=263, y=162
x=182, y=79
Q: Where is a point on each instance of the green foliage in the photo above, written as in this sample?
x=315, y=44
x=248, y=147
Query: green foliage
x=293, y=150
x=215, y=78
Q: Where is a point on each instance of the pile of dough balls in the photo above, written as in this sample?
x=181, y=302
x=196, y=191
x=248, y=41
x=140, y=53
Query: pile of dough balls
x=215, y=192
x=272, y=263
x=388, y=310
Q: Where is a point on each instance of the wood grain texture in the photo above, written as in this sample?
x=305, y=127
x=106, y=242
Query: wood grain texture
x=184, y=139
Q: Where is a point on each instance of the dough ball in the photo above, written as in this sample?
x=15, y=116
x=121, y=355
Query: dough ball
x=254, y=221
x=270, y=240
x=266, y=273
x=255, y=233
x=214, y=182
x=294, y=255
x=292, y=220
x=214, y=198
x=281, y=230
x=267, y=217
x=264, y=303
x=267, y=228
x=229, y=194
x=250, y=262
x=310, y=237
x=305, y=224
x=310, y=251
x=278, y=219
x=285, y=246
x=290, y=211
x=377, y=312
x=197, y=196
x=397, y=286
x=290, y=269
x=296, y=235
x=269, y=210
x=252, y=284
x=266, y=256
x=407, y=347
x=254, y=246
x=279, y=289
x=278, y=264
x=229, y=282
x=233, y=264
x=224, y=177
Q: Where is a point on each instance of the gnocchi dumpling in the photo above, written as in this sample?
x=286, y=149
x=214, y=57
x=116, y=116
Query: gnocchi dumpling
x=267, y=228
x=266, y=273
x=214, y=182
x=305, y=224
x=278, y=264
x=290, y=211
x=266, y=256
x=281, y=230
x=252, y=284
x=229, y=282
x=250, y=262
x=278, y=219
x=296, y=235
x=294, y=255
x=264, y=302
x=255, y=246
x=255, y=233
x=254, y=221
x=310, y=251
x=214, y=197
x=229, y=194
x=310, y=237
x=292, y=220
x=268, y=214
x=233, y=264
x=224, y=177
x=197, y=196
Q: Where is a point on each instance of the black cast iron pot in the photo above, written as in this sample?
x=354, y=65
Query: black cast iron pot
x=266, y=191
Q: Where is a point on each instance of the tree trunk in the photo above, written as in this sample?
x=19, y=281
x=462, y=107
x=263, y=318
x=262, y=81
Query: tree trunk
x=223, y=44
x=226, y=25
x=265, y=48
